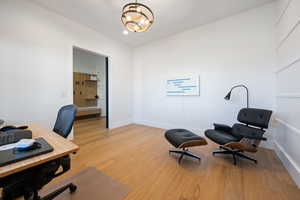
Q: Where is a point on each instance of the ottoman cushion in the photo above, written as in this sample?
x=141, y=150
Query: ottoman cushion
x=178, y=137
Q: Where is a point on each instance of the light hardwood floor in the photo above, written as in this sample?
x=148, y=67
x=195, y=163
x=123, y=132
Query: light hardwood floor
x=138, y=156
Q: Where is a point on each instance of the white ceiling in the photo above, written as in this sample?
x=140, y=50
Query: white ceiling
x=171, y=16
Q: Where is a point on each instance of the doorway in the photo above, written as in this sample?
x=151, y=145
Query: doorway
x=90, y=91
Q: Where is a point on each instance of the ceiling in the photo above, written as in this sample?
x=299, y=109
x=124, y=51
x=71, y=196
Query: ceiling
x=171, y=16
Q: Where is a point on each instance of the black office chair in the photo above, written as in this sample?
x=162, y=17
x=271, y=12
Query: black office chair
x=244, y=137
x=27, y=183
x=65, y=119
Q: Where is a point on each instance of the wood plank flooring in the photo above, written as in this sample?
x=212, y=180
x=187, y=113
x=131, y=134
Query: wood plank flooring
x=138, y=156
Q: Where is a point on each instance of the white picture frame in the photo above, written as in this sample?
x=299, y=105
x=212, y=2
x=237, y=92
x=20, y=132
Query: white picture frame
x=183, y=86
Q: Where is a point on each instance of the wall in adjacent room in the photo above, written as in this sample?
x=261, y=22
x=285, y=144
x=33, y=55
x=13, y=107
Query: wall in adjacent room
x=86, y=61
x=236, y=50
x=287, y=138
x=101, y=75
x=91, y=63
x=36, y=64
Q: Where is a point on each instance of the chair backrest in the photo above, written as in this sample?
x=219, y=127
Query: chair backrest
x=254, y=122
x=65, y=119
x=255, y=117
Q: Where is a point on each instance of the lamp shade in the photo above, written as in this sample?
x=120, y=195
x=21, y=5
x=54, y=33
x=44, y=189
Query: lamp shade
x=227, y=97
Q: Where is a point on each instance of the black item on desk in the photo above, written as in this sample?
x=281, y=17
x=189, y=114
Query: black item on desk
x=14, y=135
x=12, y=155
x=8, y=128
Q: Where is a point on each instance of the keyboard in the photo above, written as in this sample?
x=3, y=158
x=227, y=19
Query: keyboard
x=14, y=136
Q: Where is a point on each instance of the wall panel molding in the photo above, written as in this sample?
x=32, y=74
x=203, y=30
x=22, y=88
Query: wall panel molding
x=289, y=95
x=286, y=139
x=281, y=69
x=288, y=162
x=296, y=25
x=283, y=12
x=289, y=126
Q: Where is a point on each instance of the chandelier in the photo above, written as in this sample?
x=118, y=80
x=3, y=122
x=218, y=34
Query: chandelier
x=137, y=17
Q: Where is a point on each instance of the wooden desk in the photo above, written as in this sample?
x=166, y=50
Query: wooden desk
x=61, y=147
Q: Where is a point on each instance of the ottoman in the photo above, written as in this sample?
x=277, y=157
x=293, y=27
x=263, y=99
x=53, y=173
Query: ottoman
x=183, y=139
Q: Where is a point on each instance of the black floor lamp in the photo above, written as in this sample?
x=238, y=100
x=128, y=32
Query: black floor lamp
x=227, y=97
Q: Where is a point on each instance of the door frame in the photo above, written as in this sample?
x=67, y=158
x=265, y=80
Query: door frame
x=107, y=68
x=107, y=90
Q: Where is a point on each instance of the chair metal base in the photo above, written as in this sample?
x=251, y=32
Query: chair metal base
x=184, y=152
x=234, y=153
x=53, y=194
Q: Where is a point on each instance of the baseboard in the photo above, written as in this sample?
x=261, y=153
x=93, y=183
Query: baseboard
x=198, y=131
x=153, y=124
x=269, y=144
x=120, y=123
x=288, y=162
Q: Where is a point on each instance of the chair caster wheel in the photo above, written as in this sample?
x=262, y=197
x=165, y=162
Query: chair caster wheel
x=73, y=188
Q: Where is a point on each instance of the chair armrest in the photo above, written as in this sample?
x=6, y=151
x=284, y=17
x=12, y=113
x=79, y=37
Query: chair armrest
x=241, y=146
x=255, y=137
x=222, y=127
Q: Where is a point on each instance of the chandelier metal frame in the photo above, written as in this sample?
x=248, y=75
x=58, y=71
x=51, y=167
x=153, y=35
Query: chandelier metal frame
x=137, y=17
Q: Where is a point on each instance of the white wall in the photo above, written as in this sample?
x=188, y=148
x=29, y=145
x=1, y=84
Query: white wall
x=36, y=64
x=91, y=63
x=288, y=86
x=235, y=50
